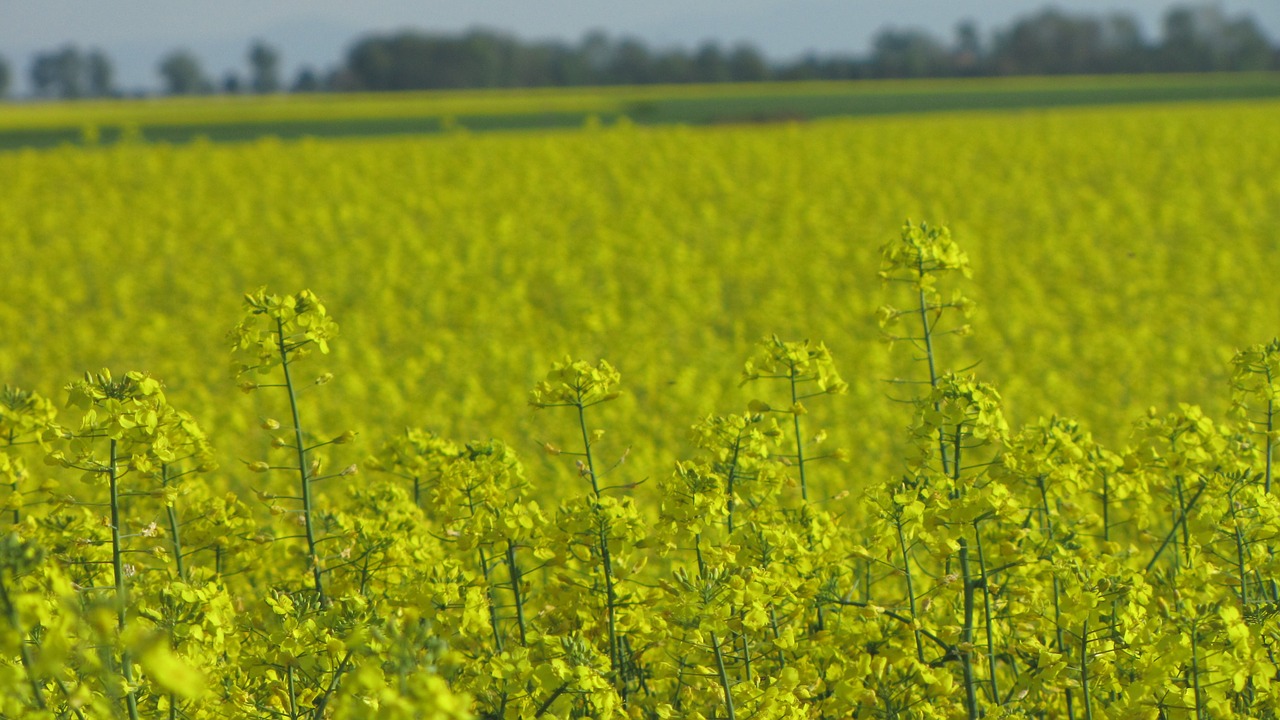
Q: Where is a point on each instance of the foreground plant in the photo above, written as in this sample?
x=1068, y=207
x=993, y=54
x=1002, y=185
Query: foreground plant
x=24, y=416
x=277, y=333
x=131, y=443
x=603, y=526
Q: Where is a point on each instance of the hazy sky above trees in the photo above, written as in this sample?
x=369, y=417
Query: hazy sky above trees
x=135, y=34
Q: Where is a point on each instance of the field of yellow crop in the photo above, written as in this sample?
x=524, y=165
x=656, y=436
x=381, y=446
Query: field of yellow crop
x=1122, y=256
x=923, y=553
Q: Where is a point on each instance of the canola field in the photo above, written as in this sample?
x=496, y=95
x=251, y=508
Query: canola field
x=1122, y=256
x=660, y=461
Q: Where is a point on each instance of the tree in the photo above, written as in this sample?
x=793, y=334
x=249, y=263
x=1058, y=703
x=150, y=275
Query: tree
x=69, y=73
x=1123, y=45
x=100, y=74
x=596, y=52
x=1202, y=37
x=307, y=82
x=537, y=65
x=182, y=74
x=370, y=64
x=265, y=61
x=479, y=58
x=5, y=77
x=907, y=53
x=673, y=66
x=967, y=54
x=631, y=64
x=746, y=64
x=1053, y=42
x=710, y=64
x=567, y=66
x=58, y=73
x=1189, y=34
x=1247, y=47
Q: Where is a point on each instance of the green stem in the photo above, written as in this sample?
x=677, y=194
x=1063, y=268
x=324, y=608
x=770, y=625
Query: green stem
x=795, y=416
x=606, y=560
x=681, y=664
x=1084, y=670
x=493, y=602
x=304, y=478
x=66, y=693
x=513, y=570
x=911, y=593
x=724, y=677
x=1271, y=415
x=1057, y=587
x=820, y=625
x=1106, y=508
x=176, y=539
x=1186, y=531
x=546, y=704
x=966, y=635
x=949, y=651
x=17, y=510
x=1195, y=672
x=1271, y=420
x=777, y=634
x=1240, y=566
x=928, y=348
x=319, y=711
x=986, y=611
x=171, y=513
x=491, y=592
x=746, y=648
x=1173, y=532
x=117, y=567
x=24, y=651
x=730, y=477
x=293, y=695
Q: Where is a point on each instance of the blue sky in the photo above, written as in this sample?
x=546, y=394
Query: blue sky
x=136, y=33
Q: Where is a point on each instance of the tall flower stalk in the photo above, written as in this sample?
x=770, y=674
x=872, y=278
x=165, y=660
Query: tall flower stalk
x=277, y=332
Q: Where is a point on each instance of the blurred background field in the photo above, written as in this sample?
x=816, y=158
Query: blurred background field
x=659, y=199
x=1121, y=255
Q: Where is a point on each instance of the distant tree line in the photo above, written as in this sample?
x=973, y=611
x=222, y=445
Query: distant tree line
x=1193, y=38
x=71, y=73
